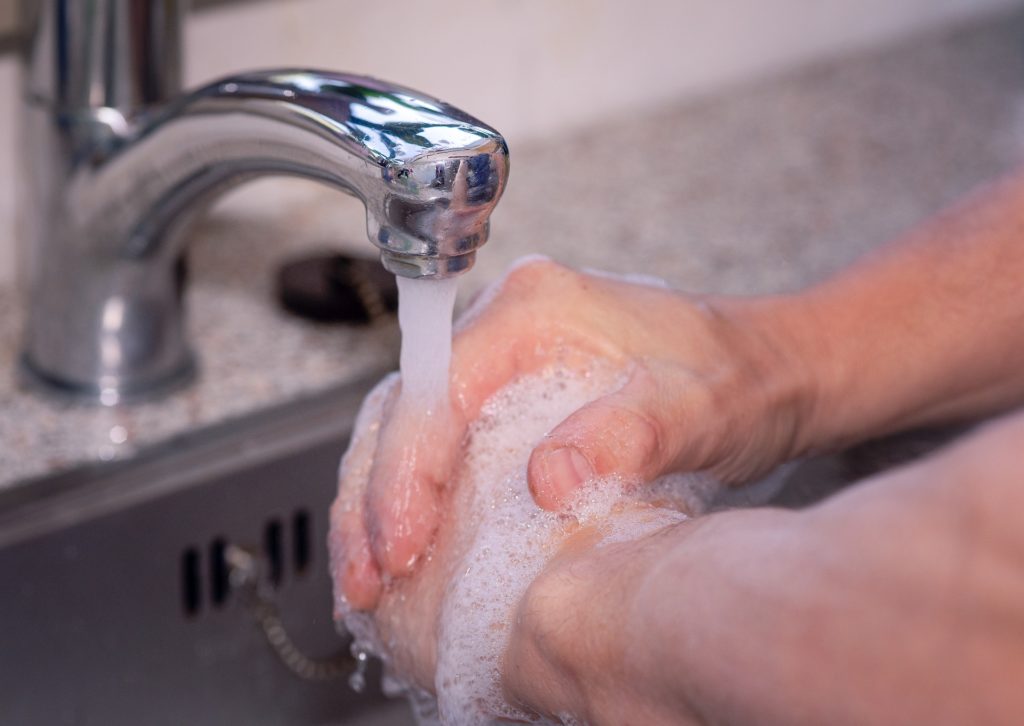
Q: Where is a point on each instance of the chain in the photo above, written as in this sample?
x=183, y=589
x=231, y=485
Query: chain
x=245, y=578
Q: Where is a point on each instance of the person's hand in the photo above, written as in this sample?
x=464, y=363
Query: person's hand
x=409, y=614
x=405, y=626
x=585, y=663
x=859, y=609
x=413, y=613
x=614, y=632
x=709, y=384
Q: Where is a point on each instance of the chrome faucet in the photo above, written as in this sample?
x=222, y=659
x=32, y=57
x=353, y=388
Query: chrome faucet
x=117, y=164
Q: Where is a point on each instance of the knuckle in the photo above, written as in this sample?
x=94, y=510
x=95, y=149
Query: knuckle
x=647, y=435
x=533, y=273
x=624, y=439
x=543, y=609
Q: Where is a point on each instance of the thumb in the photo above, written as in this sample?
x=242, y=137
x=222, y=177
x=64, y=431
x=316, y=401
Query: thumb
x=634, y=432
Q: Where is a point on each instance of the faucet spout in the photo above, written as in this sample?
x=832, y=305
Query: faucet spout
x=106, y=308
x=429, y=175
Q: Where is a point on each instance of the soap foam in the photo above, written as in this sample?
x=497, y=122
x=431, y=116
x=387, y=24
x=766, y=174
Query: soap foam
x=504, y=540
x=514, y=538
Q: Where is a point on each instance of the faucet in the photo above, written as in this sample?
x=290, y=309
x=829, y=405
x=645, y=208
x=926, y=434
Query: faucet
x=118, y=163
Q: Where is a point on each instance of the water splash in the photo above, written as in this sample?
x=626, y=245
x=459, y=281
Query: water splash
x=357, y=680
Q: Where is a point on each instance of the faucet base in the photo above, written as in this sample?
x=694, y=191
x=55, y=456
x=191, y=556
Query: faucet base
x=33, y=378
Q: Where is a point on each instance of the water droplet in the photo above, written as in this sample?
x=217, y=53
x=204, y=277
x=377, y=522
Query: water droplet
x=357, y=680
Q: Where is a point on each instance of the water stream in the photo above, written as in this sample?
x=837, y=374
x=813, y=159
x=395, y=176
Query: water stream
x=425, y=310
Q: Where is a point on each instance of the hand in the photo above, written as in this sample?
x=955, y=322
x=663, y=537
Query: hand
x=615, y=633
x=571, y=643
x=896, y=601
x=465, y=559
x=409, y=614
x=710, y=384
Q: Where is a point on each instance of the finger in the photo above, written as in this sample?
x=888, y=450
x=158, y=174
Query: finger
x=353, y=568
x=499, y=338
x=416, y=448
x=633, y=432
x=412, y=463
x=356, y=575
x=504, y=335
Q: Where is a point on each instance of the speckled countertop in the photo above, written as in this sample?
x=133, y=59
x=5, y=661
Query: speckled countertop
x=762, y=187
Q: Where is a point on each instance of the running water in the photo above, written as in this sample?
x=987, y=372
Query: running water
x=425, y=308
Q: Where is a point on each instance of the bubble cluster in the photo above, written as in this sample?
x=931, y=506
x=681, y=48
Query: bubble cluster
x=504, y=540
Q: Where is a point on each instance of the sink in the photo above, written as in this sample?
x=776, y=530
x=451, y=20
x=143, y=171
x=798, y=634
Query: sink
x=116, y=609
x=116, y=605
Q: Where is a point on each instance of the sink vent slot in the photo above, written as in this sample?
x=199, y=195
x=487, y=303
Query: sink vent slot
x=273, y=547
x=287, y=550
x=191, y=582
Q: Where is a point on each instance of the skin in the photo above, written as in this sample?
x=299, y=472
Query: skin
x=729, y=395
x=896, y=601
x=407, y=612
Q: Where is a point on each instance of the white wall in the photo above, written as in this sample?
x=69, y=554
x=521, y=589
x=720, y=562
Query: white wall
x=532, y=68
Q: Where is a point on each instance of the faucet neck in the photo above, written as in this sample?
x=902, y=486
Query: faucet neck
x=89, y=54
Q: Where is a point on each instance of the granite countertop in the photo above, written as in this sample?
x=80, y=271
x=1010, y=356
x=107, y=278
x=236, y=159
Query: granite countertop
x=762, y=187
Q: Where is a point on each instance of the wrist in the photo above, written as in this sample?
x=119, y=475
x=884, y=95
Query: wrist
x=787, y=371
x=847, y=390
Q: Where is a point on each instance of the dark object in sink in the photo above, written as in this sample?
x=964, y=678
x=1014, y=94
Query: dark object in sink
x=334, y=288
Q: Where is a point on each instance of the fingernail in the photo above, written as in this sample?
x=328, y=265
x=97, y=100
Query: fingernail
x=566, y=470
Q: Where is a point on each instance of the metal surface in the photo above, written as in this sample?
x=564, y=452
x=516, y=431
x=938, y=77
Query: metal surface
x=104, y=54
x=116, y=169
x=12, y=19
x=95, y=619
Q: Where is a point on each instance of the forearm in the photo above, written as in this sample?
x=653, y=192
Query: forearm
x=929, y=329
x=898, y=601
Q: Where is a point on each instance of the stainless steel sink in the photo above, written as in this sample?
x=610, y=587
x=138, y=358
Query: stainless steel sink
x=116, y=608
x=115, y=605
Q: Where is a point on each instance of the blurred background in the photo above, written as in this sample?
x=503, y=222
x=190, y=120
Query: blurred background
x=531, y=68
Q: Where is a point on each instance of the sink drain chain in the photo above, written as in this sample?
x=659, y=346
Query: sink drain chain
x=245, y=579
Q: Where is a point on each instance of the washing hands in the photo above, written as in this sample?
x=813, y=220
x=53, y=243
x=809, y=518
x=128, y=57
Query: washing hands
x=898, y=600
x=703, y=389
